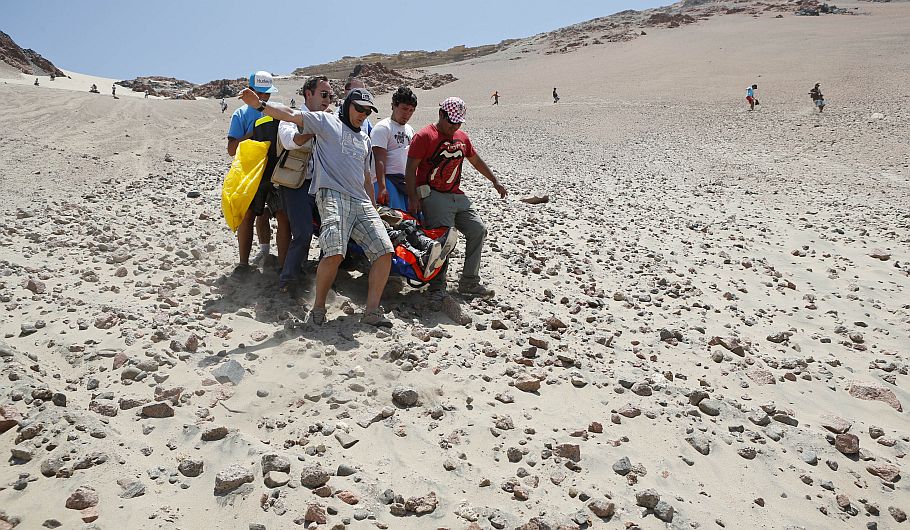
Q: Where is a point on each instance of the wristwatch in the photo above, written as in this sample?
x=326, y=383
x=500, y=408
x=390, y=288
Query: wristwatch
x=261, y=107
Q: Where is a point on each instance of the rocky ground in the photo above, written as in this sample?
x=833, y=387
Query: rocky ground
x=701, y=322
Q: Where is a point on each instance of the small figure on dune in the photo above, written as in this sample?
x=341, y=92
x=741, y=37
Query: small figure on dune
x=223, y=105
x=94, y=89
x=555, y=96
x=114, y=91
x=750, y=96
x=817, y=97
x=36, y=81
x=495, y=97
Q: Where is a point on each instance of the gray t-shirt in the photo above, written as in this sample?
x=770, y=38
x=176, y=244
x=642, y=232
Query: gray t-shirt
x=342, y=155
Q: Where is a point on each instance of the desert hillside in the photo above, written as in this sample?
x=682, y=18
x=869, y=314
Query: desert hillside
x=705, y=325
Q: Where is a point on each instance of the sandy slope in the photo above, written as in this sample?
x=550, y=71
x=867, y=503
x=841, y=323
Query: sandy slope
x=672, y=208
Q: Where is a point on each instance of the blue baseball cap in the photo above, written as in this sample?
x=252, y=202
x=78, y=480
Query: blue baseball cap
x=262, y=82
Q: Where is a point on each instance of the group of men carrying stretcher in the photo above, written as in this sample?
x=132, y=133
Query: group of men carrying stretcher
x=340, y=167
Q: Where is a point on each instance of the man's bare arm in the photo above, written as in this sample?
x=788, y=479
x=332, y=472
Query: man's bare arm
x=485, y=170
x=368, y=187
x=410, y=180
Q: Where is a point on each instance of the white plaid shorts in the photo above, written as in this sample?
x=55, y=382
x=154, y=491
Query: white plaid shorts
x=344, y=218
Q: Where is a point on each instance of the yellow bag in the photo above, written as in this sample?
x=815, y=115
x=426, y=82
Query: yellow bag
x=242, y=181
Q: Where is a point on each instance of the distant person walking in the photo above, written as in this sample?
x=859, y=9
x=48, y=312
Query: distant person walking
x=223, y=105
x=495, y=97
x=36, y=81
x=555, y=96
x=817, y=97
x=114, y=91
x=750, y=96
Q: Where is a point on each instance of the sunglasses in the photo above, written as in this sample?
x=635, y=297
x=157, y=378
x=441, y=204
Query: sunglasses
x=362, y=110
x=325, y=93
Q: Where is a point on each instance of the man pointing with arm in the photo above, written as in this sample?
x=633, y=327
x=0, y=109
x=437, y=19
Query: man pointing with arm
x=344, y=196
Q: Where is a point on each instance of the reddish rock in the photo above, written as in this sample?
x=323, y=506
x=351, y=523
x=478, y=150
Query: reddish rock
x=89, y=515
x=847, y=444
x=885, y=471
x=871, y=392
x=836, y=424
x=730, y=343
x=9, y=418
x=527, y=383
x=570, y=451
x=120, y=359
x=168, y=394
x=347, y=497
x=84, y=497
x=315, y=513
x=602, y=508
x=421, y=505
x=595, y=427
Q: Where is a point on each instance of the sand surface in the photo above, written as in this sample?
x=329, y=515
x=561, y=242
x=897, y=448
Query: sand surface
x=700, y=295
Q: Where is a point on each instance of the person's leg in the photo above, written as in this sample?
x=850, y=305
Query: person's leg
x=245, y=237
x=469, y=223
x=438, y=211
x=298, y=205
x=263, y=230
x=379, y=276
x=334, y=233
x=370, y=234
x=325, y=277
x=283, y=236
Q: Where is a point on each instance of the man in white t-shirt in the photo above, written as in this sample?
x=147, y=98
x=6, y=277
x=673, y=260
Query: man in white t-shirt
x=391, y=138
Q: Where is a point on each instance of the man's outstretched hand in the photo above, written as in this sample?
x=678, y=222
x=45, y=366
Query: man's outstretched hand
x=501, y=189
x=249, y=97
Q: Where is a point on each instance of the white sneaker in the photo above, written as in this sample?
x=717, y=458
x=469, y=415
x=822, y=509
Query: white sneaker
x=431, y=257
x=259, y=257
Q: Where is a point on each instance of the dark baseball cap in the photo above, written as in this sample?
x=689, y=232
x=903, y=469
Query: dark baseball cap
x=362, y=97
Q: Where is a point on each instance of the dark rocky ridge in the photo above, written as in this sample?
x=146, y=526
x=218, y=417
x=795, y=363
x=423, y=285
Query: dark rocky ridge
x=25, y=60
x=170, y=87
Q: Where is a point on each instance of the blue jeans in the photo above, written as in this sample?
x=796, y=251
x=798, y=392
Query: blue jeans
x=300, y=207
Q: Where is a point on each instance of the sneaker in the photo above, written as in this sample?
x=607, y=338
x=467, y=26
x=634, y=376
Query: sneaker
x=375, y=317
x=259, y=257
x=318, y=316
x=475, y=289
x=242, y=269
x=429, y=258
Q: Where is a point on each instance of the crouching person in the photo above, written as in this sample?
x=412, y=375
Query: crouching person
x=344, y=195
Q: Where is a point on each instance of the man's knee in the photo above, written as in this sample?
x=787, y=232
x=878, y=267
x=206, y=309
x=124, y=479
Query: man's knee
x=475, y=229
x=332, y=261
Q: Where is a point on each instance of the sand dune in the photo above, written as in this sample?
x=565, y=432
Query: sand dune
x=713, y=304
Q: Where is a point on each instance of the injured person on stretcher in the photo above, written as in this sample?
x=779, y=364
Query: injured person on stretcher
x=419, y=253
